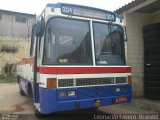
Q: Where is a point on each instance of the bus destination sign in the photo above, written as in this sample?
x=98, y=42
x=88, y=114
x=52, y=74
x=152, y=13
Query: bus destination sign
x=74, y=10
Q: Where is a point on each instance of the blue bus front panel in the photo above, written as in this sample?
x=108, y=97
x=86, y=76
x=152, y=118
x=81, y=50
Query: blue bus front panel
x=50, y=101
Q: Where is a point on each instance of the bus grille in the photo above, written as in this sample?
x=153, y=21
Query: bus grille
x=65, y=82
x=85, y=82
x=94, y=81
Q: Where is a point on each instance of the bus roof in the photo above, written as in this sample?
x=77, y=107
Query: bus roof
x=91, y=12
x=59, y=4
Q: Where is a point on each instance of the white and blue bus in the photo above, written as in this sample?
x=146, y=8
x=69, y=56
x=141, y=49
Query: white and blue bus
x=77, y=60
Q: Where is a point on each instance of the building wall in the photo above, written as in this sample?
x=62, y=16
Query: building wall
x=156, y=18
x=135, y=50
x=9, y=26
x=7, y=42
x=14, y=35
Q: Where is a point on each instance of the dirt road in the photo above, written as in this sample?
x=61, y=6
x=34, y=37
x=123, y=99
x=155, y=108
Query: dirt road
x=11, y=102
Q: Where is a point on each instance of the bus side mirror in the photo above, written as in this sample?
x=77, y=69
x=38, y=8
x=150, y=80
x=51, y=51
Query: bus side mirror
x=40, y=26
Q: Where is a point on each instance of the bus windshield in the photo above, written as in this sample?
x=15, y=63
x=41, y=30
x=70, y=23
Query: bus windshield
x=67, y=42
x=109, y=44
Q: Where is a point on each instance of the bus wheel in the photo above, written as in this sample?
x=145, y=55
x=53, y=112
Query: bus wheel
x=37, y=113
x=21, y=91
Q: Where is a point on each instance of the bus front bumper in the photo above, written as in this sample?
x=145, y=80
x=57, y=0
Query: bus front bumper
x=86, y=97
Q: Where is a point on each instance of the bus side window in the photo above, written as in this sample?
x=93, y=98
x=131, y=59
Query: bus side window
x=50, y=44
x=32, y=45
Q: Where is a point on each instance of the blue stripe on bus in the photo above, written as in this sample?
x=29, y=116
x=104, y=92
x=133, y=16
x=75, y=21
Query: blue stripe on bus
x=51, y=102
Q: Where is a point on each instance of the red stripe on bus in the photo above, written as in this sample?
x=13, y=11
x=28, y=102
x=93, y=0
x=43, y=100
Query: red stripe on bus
x=82, y=70
x=26, y=61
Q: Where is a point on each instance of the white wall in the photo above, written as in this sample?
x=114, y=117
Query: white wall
x=135, y=50
x=9, y=27
x=156, y=17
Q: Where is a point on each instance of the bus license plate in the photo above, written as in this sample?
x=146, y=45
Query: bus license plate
x=119, y=99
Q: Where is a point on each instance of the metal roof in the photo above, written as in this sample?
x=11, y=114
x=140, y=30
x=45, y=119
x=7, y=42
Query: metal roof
x=129, y=5
x=17, y=13
x=151, y=8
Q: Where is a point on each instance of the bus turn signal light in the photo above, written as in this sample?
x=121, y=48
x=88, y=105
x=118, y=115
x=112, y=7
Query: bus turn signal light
x=51, y=82
x=129, y=79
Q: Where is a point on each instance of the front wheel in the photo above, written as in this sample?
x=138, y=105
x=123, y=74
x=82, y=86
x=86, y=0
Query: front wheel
x=37, y=113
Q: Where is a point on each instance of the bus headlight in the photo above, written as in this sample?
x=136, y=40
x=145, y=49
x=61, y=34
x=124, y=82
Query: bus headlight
x=62, y=94
x=65, y=94
x=121, y=89
x=117, y=89
x=71, y=93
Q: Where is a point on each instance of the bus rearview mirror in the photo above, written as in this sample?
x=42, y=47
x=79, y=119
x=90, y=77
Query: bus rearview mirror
x=40, y=27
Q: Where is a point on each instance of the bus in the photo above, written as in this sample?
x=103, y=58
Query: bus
x=77, y=60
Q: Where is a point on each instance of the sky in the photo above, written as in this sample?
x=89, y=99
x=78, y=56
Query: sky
x=36, y=6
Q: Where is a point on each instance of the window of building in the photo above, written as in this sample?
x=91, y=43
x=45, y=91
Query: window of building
x=20, y=19
x=17, y=19
x=23, y=20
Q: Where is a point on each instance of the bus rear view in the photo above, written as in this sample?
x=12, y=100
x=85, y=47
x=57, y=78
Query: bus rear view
x=77, y=60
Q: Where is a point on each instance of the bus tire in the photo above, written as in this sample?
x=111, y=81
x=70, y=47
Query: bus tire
x=30, y=90
x=37, y=113
x=21, y=91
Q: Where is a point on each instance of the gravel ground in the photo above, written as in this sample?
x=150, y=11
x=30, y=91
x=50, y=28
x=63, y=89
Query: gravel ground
x=11, y=103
